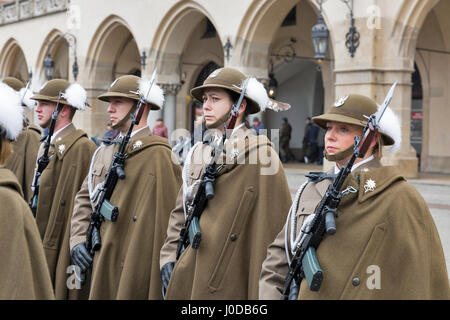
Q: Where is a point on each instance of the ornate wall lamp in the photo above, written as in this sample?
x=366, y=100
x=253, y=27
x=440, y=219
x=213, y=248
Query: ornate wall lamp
x=352, y=37
x=320, y=36
x=143, y=60
x=49, y=64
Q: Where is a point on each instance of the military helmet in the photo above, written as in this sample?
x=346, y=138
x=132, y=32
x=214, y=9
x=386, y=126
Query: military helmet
x=128, y=87
x=14, y=83
x=353, y=109
x=72, y=94
x=229, y=79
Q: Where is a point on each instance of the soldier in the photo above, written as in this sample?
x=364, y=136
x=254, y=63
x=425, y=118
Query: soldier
x=70, y=151
x=23, y=159
x=386, y=245
x=127, y=265
x=285, y=137
x=249, y=204
x=23, y=269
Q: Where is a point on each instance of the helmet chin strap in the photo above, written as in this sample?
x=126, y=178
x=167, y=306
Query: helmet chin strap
x=121, y=123
x=338, y=156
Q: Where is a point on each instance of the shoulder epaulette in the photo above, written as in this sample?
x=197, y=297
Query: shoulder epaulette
x=319, y=176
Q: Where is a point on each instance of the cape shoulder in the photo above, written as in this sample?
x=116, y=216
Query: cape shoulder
x=139, y=144
x=63, y=146
x=34, y=128
x=9, y=180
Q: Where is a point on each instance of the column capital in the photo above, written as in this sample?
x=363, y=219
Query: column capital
x=170, y=88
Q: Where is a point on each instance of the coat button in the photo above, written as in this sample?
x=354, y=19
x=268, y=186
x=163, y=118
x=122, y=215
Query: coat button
x=134, y=218
x=63, y=203
x=233, y=237
x=356, y=282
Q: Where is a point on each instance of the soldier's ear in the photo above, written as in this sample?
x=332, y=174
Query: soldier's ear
x=243, y=106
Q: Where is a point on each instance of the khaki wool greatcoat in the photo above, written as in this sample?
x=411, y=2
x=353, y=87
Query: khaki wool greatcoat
x=23, y=268
x=23, y=160
x=237, y=225
x=386, y=245
x=60, y=182
x=127, y=265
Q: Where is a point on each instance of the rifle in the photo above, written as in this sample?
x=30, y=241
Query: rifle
x=190, y=233
x=304, y=263
x=104, y=209
x=43, y=160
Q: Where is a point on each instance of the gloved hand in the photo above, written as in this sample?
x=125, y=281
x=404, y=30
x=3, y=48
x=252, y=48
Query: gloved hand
x=81, y=257
x=166, y=272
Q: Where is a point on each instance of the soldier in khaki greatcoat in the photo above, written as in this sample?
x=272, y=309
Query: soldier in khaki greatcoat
x=70, y=151
x=250, y=203
x=23, y=160
x=23, y=268
x=386, y=245
x=127, y=264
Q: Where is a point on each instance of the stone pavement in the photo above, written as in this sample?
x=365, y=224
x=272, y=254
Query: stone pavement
x=434, y=188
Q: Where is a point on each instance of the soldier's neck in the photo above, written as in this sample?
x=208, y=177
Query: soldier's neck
x=142, y=124
x=61, y=125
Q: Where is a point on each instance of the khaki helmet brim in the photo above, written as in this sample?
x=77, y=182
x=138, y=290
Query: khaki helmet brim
x=41, y=97
x=228, y=79
x=106, y=97
x=322, y=120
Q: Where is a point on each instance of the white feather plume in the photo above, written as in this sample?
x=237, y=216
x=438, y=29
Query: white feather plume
x=76, y=96
x=257, y=92
x=11, y=112
x=156, y=95
x=25, y=95
x=391, y=125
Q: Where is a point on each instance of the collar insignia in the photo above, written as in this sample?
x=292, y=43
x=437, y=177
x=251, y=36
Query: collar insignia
x=369, y=186
x=137, y=144
x=340, y=101
x=61, y=148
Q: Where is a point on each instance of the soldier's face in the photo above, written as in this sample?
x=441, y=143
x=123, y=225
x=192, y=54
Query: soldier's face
x=44, y=112
x=118, y=108
x=216, y=107
x=340, y=136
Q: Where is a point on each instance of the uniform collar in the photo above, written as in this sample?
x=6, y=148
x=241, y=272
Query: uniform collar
x=62, y=132
x=355, y=166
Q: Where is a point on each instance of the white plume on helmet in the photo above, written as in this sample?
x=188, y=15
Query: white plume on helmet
x=11, y=112
x=26, y=94
x=76, y=96
x=391, y=125
x=156, y=95
x=257, y=92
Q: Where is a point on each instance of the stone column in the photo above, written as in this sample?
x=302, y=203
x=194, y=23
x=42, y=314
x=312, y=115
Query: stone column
x=169, y=110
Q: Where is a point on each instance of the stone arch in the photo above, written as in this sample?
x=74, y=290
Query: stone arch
x=59, y=52
x=13, y=62
x=112, y=52
x=432, y=57
x=258, y=28
x=170, y=41
x=408, y=22
x=262, y=41
x=181, y=47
